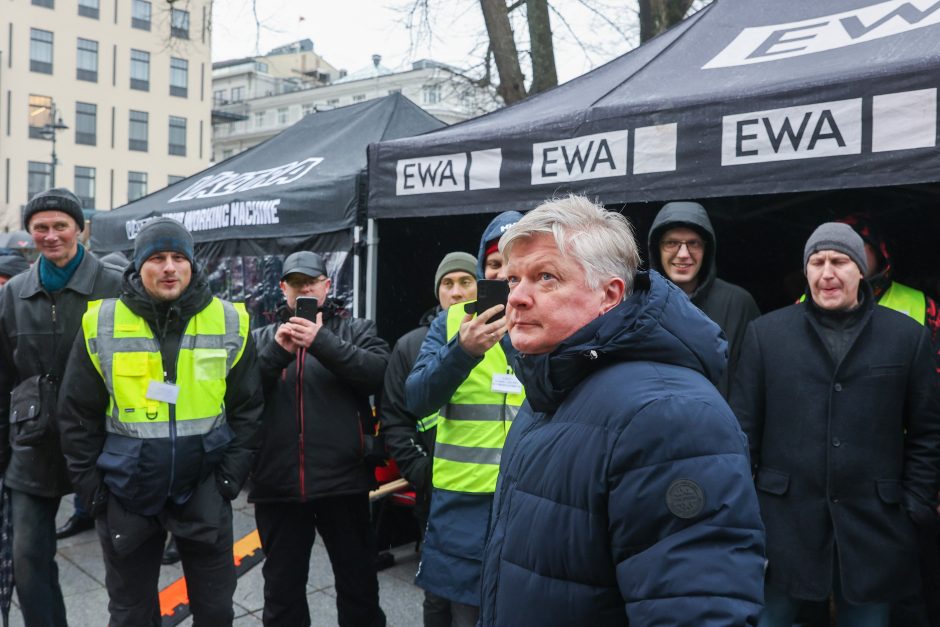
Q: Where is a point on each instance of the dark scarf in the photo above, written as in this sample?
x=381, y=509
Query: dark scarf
x=54, y=278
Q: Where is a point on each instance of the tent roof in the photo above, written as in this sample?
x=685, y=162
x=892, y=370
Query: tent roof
x=301, y=182
x=743, y=97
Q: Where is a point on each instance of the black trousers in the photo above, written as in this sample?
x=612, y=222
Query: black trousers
x=287, y=533
x=132, y=578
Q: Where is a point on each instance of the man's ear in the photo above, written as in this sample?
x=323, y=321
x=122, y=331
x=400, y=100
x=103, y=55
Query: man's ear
x=614, y=289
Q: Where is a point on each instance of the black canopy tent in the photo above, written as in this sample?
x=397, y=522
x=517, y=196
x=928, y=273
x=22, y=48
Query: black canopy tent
x=301, y=189
x=743, y=98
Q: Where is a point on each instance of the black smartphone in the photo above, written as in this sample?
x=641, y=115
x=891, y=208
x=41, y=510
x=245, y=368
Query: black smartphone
x=307, y=307
x=489, y=294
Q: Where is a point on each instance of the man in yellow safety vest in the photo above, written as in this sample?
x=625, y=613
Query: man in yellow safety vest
x=160, y=405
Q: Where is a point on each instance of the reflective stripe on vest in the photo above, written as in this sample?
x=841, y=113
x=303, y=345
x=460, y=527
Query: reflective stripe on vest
x=428, y=422
x=905, y=300
x=125, y=353
x=474, y=424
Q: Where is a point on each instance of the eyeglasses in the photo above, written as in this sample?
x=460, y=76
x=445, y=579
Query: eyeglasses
x=672, y=245
x=302, y=281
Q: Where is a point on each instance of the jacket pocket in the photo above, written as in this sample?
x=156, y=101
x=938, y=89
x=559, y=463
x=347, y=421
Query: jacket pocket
x=889, y=491
x=209, y=364
x=131, y=377
x=31, y=403
x=772, y=481
x=885, y=370
x=119, y=462
x=214, y=445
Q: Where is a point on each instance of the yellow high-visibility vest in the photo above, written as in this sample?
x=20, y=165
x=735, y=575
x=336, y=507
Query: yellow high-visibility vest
x=125, y=353
x=473, y=425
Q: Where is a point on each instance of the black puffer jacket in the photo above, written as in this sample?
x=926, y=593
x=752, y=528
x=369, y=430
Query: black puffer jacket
x=318, y=397
x=36, y=333
x=158, y=470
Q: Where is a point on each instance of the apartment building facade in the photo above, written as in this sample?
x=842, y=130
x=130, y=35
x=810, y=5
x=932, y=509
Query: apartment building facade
x=110, y=98
x=253, y=104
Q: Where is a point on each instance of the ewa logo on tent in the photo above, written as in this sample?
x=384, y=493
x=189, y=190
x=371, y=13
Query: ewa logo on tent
x=780, y=41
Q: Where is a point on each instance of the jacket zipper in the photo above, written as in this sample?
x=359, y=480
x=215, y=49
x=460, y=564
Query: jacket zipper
x=300, y=419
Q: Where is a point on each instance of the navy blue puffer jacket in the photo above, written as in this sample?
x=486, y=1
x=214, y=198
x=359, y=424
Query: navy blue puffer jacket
x=625, y=494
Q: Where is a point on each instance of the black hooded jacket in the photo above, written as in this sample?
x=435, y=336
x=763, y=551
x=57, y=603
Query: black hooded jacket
x=166, y=470
x=731, y=307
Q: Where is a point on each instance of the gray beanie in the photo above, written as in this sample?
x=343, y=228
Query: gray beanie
x=839, y=237
x=162, y=235
x=454, y=262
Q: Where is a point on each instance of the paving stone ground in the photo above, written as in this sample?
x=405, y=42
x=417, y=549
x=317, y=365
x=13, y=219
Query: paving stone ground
x=81, y=575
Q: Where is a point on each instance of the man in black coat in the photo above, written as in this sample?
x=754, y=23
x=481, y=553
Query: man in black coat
x=683, y=246
x=837, y=398
x=409, y=438
x=311, y=474
x=40, y=313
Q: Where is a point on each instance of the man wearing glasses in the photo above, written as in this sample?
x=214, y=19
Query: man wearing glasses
x=682, y=246
x=311, y=475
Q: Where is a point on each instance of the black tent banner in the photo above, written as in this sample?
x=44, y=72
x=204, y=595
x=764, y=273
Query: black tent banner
x=744, y=97
x=305, y=181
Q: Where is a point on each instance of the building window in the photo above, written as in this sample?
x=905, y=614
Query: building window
x=179, y=23
x=259, y=119
x=86, y=63
x=140, y=70
x=177, y=136
x=432, y=94
x=140, y=14
x=88, y=8
x=136, y=185
x=86, y=123
x=40, y=115
x=238, y=94
x=40, y=51
x=45, y=3
x=218, y=97
x=85, y=185
x=228, y=152
x=172, y=179
x=282, y=115
x=307, y=109
x=332, y=102
x=137, y=135
x=179, y=77
x=394, y=91
x=358, y=98
x=40, y=178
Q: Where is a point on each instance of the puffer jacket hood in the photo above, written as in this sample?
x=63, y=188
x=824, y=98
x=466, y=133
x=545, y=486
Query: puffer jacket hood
x=495, y=230
x=692, y=215
x=656, y=323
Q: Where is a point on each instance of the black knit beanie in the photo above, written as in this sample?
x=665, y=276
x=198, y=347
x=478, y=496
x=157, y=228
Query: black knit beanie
x=162, y=235
x=55, y=199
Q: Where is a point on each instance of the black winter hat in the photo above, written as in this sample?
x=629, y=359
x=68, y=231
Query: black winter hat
x=162, y=235
x=55, y=199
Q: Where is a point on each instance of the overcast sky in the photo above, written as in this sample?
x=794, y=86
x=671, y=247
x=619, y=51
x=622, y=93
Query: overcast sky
x=348, y=32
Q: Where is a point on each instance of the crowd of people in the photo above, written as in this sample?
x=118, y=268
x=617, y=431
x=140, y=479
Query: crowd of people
x=611, y=446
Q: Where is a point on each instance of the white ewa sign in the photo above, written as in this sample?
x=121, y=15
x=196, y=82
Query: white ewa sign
x=824, y=129
x=779, y=41
x=448, y=173
x=603, y=155
x=899, y=121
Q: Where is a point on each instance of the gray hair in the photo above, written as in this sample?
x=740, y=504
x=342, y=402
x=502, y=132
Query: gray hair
x=601, y=241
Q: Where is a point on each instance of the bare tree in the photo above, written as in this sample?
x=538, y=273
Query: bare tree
x=658, y=15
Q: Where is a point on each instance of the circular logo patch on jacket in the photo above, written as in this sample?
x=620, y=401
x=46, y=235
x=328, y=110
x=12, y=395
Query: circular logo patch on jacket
x=685, y=498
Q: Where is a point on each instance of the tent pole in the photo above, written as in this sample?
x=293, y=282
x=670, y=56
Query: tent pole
x=372, y=251
x=357, y=236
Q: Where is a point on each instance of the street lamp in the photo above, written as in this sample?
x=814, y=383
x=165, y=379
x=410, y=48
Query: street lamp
x=49, y=132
